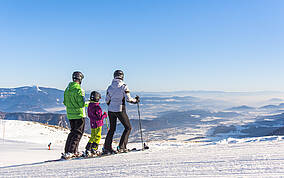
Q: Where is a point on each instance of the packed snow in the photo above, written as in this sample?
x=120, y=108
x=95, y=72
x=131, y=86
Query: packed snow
x=23, y=150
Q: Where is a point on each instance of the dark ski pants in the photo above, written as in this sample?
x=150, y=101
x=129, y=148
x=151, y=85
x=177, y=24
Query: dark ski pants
x=123, y=118
x=75, y=135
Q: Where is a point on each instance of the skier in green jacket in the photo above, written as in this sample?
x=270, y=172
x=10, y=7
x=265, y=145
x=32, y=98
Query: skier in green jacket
x=74, y=100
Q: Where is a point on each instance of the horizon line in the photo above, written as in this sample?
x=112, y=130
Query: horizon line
x=168, y=91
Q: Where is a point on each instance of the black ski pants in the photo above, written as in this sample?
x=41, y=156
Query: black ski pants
x=123, y=118
x=75, y=135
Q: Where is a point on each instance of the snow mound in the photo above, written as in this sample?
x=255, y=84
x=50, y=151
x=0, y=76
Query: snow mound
x=32, y=132
x=23, y=142
x=251, y=140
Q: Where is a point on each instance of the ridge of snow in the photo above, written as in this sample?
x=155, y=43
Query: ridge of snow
x=270, y=139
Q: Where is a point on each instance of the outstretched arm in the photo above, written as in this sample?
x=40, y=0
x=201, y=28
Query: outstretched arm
x=128, y=96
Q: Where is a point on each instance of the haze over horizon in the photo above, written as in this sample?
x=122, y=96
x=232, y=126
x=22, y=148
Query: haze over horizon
x=164, y=91
x=161, y=45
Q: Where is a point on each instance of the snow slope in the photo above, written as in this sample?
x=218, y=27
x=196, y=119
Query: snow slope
x=26, y=142
x=25, y=148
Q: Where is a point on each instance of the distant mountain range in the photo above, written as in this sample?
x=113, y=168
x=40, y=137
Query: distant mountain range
x=248, y=108
x=164, y=113
x=261, y=126
x=271, y=107
x=30, y=99
x=34, y=103
x=218, y=92
x=241, y=108
x=45, y=118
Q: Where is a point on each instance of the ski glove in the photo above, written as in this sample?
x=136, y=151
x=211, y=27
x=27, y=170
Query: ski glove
x=137, y=99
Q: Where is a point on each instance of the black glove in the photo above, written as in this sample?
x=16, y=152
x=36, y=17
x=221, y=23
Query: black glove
x=137, y=99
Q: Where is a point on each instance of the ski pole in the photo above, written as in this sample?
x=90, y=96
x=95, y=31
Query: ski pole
x=144, y=146
x=107, y=124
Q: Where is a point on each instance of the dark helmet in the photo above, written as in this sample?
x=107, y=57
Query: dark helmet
x=95, y=96
x=77, y=76
x=118, y=74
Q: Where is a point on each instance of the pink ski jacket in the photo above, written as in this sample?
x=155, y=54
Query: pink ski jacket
x=96, y=116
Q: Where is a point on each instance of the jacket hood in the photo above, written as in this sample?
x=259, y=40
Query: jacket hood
x=117, y=83
x=74, y=85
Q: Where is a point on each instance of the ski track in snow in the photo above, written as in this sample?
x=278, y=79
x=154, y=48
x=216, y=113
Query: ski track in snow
x=248, y=157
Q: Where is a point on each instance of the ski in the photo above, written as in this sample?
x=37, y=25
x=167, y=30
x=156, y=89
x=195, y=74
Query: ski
x=95, y=155
x=64, y=158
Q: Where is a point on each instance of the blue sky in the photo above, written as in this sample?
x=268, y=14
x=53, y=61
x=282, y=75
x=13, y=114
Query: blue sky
x=161, y=45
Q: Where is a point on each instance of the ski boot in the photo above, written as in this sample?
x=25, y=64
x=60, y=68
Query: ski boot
x=67, y=156
x=122, y=150
x=94, y=148
x=108, y=151
x=86, y=154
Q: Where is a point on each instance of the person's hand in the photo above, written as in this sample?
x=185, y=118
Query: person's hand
x=105, y=114
x=137, y=99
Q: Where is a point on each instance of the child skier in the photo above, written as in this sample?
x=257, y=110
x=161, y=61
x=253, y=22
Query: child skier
x=96, y=122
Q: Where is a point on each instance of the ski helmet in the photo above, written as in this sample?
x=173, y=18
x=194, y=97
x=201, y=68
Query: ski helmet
x=118, y=74
x=77, y=76
x=95, y=96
